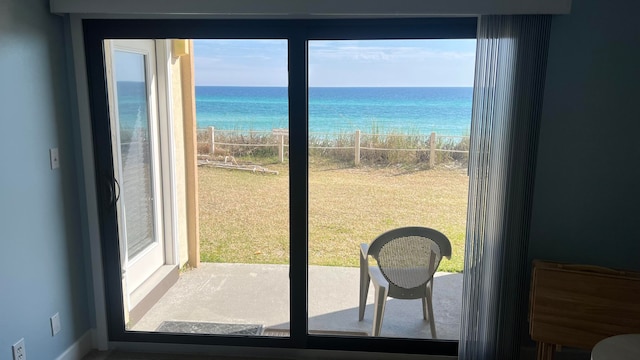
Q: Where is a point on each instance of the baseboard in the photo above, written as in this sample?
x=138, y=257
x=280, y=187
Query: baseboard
x=80, y=348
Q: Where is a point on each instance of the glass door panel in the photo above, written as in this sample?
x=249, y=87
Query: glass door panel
x=135, y=153
x=388, y=132
x=241, y=287
x=131, y=69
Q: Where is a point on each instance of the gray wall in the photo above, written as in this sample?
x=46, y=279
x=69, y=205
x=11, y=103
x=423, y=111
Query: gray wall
x=42, y=260
x=587, y=187
x=586, y=204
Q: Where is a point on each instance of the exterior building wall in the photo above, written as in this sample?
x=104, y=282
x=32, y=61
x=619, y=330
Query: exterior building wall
x=179, y=153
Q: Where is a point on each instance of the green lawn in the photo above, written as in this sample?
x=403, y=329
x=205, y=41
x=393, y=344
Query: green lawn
x=244, y=217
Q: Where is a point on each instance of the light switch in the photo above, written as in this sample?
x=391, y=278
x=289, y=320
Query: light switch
x=55, y=324
x=55, y=160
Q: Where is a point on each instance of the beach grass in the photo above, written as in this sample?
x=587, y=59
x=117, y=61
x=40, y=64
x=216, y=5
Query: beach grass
x=244, y=217
x=378, y=147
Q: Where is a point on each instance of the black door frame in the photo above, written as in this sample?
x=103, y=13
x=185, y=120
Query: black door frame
x=297, y=33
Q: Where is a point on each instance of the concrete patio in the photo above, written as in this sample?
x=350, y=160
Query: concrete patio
x=259, y=294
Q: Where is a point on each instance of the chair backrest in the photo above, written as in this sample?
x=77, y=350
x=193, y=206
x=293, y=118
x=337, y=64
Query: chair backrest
x=409, y=256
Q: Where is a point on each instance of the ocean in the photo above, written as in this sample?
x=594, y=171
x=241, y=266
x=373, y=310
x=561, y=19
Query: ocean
x=444, y=110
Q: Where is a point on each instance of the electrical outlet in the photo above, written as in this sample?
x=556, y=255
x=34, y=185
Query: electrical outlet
x=55, y=159
x=19, y=352
x=55, y=324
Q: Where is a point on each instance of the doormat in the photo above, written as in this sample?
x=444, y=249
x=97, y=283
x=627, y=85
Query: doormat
x=286, y=332
x=194, y=327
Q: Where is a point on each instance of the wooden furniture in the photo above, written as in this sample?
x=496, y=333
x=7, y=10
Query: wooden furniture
x=580, y=305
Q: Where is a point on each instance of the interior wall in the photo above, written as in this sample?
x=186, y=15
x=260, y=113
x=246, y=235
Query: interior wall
x=587, y=177
x=587, y=189
x=42, y=267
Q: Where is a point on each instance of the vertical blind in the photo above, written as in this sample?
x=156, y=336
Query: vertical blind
x=511, y=57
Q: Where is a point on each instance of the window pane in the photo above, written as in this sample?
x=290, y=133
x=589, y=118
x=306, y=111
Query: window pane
x=135, y=151
x=241, y=286
x=389, y=123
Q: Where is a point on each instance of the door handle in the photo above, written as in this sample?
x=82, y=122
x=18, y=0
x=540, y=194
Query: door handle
x=117, y=191
x=112, y=190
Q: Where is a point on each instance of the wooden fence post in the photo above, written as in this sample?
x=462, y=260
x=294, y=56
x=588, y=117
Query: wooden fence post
x=280, y=134
x=281, y=148
x=432, y=152
x=212, y=143
x=357, y=146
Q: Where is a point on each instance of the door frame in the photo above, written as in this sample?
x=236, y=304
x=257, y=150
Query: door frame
x=137, y=300
x=297, y=32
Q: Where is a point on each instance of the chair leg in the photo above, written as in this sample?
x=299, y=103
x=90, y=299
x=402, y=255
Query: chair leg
x=364, y=286
x=432, y=320
x=380, y=303
x=546, y=351
x=424, y=308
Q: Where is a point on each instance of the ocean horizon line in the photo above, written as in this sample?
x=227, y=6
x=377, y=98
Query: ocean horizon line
x=340, y=87
x=323, y=87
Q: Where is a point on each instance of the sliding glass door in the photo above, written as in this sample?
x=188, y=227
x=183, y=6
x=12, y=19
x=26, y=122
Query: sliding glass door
x=279, y=232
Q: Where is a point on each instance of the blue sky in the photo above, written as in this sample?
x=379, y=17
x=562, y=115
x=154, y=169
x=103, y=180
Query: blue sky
x=337, y=63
